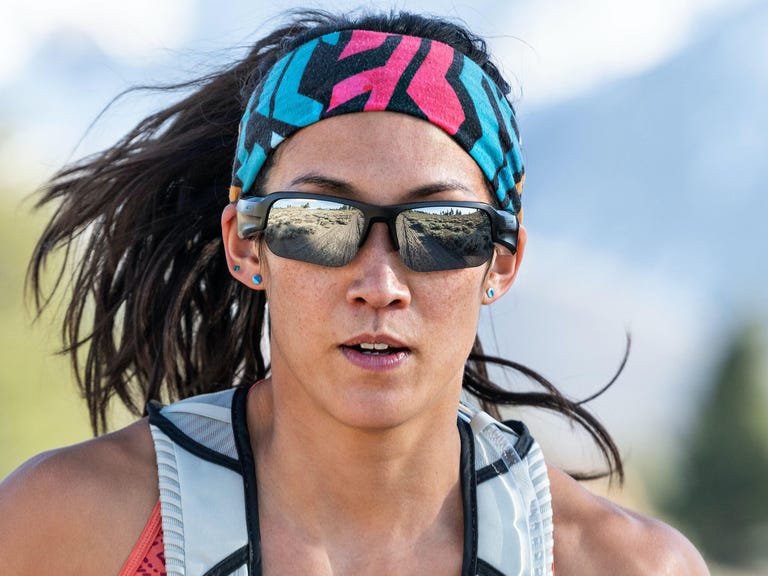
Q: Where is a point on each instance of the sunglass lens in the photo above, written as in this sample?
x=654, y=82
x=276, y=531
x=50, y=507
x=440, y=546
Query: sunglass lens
x=315, y=231
x=444, y=238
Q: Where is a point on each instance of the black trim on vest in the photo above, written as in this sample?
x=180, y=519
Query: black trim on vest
x=485, y=569
x=469, y=499
x=156, y=418
x=491, y=471
x=522, y=447
x=230, y=563
x=244, y=450
x=524, y=441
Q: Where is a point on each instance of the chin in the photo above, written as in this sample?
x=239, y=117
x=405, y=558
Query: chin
x=383, y=411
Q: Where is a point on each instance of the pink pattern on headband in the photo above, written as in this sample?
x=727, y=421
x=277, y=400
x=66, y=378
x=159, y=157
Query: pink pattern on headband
x=363, y=40
x=432, y=93
x=380, y=82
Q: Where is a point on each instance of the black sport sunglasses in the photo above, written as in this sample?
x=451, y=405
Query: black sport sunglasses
x=328, y=230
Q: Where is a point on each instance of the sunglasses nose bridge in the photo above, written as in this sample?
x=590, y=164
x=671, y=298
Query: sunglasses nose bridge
x=382, y=217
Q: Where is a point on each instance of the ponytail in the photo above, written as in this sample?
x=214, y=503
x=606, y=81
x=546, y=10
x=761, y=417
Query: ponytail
x=152, y=313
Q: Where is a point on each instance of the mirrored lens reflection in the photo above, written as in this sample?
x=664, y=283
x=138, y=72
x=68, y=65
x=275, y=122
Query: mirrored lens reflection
x=444, y=238
x=314, y=231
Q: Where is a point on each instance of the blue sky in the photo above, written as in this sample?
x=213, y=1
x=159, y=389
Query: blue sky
x=556, y=47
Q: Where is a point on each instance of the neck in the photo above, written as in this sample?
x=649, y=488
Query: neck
x=391, y=484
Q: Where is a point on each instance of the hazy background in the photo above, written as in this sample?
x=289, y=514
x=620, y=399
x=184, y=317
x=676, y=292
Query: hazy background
x=644, y=130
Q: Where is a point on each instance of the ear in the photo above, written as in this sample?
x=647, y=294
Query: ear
x=503, y=269
x=243, y=258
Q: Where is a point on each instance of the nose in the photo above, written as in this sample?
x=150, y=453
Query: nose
x=378, y=274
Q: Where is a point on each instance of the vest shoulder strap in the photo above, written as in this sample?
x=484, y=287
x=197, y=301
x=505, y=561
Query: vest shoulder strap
x=515, y=531
x=201, y=487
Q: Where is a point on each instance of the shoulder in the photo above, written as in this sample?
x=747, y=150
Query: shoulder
x=596, y=536
x=86, y=503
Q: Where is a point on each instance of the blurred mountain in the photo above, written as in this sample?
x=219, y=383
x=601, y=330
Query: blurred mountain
x=667, y=170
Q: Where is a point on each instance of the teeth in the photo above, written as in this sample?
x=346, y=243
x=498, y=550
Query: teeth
x=373, y=346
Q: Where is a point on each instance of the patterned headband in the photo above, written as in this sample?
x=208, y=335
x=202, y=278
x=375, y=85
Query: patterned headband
x=361, y=71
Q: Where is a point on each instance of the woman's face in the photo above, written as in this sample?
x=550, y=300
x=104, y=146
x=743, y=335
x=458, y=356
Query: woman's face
x=322, y=319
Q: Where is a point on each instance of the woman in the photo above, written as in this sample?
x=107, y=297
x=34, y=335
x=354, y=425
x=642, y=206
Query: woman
x=375, y=205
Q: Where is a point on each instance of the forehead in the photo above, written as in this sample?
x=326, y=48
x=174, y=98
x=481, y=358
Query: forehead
x=381, y=155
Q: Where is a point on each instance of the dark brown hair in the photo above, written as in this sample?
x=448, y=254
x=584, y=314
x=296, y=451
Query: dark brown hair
x=152, y=311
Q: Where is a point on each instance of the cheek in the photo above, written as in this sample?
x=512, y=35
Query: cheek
x=298, y=302
x=452, y=304
x=461, y=289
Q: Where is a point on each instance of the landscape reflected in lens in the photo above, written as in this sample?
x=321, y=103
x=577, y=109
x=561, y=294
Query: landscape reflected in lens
x=314, y=231
x=444, y=238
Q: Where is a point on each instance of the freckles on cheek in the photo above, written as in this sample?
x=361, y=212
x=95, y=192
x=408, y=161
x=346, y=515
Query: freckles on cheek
x=456, y=298
x=297, y=300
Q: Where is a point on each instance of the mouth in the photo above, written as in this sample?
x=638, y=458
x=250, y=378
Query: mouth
x=375, y=348
x=373, y=355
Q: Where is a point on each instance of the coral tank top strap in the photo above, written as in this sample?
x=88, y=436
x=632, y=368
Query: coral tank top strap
x=148, y=555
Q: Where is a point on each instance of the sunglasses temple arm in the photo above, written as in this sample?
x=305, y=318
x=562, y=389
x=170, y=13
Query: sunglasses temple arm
x=250, y=216
x=506, y=229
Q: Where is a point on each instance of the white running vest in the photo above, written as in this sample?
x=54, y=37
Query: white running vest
x=209, y=501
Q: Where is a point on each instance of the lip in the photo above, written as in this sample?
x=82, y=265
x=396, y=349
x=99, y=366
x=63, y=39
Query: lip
x=374, y=339
x=374, y=362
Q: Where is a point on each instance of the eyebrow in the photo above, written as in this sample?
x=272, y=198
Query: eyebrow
x=343, y=188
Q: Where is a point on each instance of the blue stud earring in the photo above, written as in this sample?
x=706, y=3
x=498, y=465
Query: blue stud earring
x=256, y=279
x=237, y=268
x=490, y=292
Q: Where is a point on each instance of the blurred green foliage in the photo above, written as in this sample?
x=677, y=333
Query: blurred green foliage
x=39, y=404
x=722, y=493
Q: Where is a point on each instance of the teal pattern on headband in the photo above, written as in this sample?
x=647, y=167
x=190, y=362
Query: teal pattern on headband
x=360, y=71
